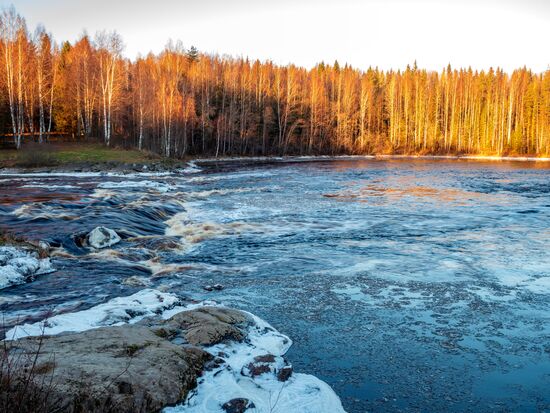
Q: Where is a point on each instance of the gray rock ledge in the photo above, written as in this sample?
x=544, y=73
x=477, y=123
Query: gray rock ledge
x=130, y=368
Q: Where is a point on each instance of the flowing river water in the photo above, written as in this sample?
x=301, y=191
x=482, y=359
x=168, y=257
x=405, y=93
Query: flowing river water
x=405, y=285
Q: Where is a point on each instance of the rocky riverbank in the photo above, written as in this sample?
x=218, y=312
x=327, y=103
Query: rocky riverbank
x=151, y=351
x=107, y=166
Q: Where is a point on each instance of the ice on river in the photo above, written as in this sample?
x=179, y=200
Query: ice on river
x=405, y=284
x=18, y=266
x=118, y=311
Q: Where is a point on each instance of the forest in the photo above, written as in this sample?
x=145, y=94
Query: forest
x=182, y=102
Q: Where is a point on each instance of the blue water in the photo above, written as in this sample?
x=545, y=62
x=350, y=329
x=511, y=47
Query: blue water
x=414, y=286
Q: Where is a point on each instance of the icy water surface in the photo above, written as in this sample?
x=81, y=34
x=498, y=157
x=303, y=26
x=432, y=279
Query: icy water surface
x=405, y=285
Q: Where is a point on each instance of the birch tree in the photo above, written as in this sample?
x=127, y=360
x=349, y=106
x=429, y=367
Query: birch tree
x=109, y=50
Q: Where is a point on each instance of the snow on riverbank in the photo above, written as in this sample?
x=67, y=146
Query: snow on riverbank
x=18, y=266
x=117, y=311
x=299, y=393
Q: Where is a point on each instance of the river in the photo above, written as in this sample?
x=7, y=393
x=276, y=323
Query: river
x=406, y=285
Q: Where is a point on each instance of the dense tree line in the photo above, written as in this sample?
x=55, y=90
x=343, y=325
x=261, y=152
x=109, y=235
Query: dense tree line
x=182, y=102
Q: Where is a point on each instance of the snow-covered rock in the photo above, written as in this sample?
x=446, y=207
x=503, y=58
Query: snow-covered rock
x=118, y=311
x=254, y=374
x=102, y=237
x=247, y=365
x=18, y=266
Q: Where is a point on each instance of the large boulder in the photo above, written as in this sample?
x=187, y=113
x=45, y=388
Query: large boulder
x=207, y=326
x=141, y=367
x=102, y=237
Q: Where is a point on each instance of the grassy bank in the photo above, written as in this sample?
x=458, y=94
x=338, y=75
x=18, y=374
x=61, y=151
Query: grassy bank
x=66, y=154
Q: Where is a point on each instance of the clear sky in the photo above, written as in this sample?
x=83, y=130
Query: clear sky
x=387, y=34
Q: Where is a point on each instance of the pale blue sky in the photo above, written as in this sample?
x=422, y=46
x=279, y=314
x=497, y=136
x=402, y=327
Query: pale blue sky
x=388, y=34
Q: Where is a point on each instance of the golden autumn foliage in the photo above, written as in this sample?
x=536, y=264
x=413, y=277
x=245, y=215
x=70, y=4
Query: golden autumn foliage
x=182, y=102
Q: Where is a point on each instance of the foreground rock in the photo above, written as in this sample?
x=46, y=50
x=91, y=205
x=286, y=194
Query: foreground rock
x=102, y=237
x=130, y=368
x=18, y=266
x=146, y=351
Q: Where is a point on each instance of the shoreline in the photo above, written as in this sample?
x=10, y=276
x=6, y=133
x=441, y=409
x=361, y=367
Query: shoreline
x=314, y=158
x=203, y=354
x=190, y=165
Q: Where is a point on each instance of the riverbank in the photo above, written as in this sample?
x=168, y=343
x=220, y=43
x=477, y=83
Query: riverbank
x=98, y=158
x=152, y=351
x=322, y=158
x=86, y=157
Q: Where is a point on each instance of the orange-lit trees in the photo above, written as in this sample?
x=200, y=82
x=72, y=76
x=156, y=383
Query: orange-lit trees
x=182, y=102
x=109, y=50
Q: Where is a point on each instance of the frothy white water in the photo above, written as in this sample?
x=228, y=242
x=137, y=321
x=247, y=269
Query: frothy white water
x=82, y=174
x=38, y=210
x=37, y=185
x=157, y=186
x=158, y=268
x=18, y=266
x=102, y=194
x=192, y=233
x=217, y=192
x=192, y=168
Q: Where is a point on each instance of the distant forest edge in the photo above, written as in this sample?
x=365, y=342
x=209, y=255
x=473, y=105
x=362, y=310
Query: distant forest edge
x=182, y=102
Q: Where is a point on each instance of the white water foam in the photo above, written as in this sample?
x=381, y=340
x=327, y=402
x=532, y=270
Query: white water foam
x=37, y=210
x=157, y=186
x=191, y=168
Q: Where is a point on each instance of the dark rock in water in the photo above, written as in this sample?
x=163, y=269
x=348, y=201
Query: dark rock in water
x=238, y=405
x=215, y=287
x=268, y=363
x=284, y=373
x=266, y=358
x=255, y=369
x=214, y=364
x=80, y=240
x=129, y=368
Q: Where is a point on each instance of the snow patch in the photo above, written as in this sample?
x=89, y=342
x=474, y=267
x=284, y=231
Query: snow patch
x=301, y=393
x=19, y=266
x=118, y=311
